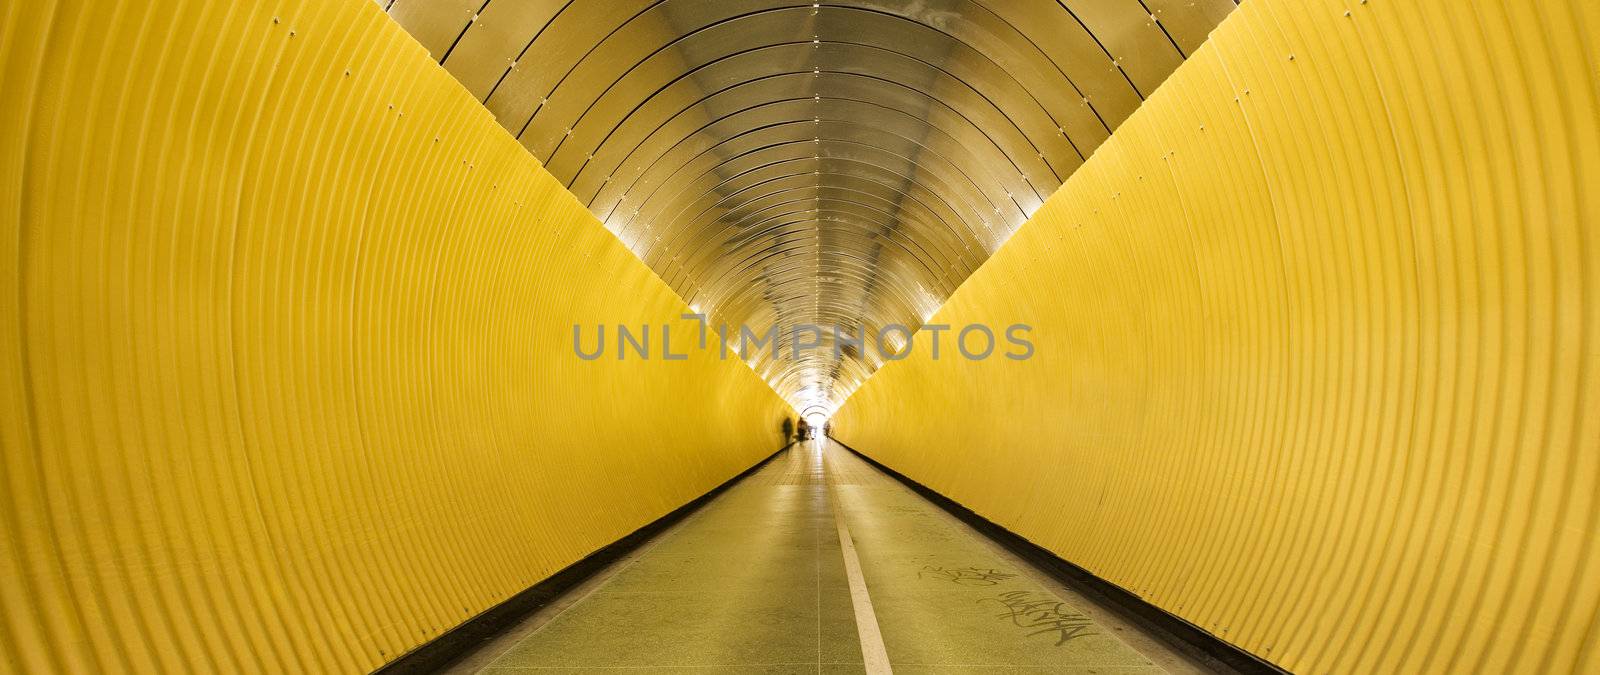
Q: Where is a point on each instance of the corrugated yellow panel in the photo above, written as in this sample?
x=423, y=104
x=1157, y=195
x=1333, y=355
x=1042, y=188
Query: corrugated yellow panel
x=1318, y=344
x=286, y=375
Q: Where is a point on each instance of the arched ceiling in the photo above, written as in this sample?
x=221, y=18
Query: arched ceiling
x=842, y=163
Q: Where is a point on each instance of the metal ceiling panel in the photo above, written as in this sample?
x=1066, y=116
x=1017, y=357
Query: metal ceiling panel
x=842, y=163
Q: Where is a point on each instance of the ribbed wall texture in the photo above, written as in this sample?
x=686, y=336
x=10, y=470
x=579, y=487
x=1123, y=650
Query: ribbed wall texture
x=286, y=368
x=1317, y=344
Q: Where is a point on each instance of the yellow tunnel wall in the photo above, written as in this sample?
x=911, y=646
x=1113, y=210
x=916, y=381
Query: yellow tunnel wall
x=286, y=370
x=1316, y=340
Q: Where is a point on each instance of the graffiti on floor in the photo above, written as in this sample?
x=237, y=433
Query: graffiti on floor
x=1044, y=613
x=965, y=576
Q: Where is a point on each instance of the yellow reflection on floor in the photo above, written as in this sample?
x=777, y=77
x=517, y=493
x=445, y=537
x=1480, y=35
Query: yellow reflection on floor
x=755, y=582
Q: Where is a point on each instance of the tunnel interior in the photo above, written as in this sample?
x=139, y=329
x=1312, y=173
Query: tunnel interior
x=793, y=164
x=587, y=335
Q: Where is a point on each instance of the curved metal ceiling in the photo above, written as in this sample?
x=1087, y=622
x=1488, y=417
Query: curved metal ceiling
x=843, y=163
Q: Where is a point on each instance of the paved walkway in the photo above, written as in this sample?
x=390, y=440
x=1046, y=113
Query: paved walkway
x=758, y=580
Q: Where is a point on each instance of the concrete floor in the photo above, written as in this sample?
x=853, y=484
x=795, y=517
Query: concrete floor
x=757, y=581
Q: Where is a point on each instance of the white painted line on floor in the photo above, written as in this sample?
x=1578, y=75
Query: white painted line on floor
x=872, y=651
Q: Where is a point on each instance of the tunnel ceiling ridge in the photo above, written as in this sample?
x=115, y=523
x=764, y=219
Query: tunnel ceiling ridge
x=832, y=163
